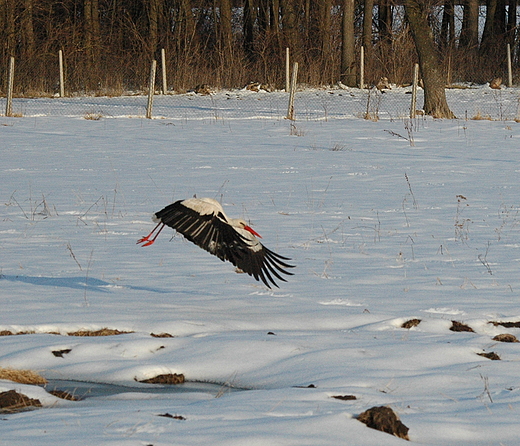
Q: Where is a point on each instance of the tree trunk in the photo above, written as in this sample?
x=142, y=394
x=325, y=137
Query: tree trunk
x=435, y=103
x=153, y=27
x=367, y=25
x=290, y=26
x=489, y=27
x=226, y=34
x=248, y=27
x=384, y=20
x=348, y=61
x=447, y=36
x=469, y=33
x=27, y=29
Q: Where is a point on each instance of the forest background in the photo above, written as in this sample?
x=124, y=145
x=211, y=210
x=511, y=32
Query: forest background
x=108, y=45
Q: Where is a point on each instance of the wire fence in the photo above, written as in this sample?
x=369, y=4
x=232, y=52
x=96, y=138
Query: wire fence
x=477, y=102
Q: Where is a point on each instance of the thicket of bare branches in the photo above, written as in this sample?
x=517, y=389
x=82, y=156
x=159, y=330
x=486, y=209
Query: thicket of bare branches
x=108, y=45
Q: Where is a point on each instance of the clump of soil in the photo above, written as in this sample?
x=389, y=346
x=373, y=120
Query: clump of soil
x=22, y=376
x=383, y=418
x=169, y=378
x=505, y=337
x=12, y=401
x=411, y=323
x=103, y=332
x=491, y=355
x=459, y=326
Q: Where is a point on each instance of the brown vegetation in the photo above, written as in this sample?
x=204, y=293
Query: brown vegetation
x=22, y=376
x=411, y=323
x=12, y=401
x=108, y=46
x=168, y=378
x=459, y=326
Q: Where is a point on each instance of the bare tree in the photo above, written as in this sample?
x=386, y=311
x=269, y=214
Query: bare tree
x=348, y=62
x=435, y=103
x=368, y=12
x=469, y=33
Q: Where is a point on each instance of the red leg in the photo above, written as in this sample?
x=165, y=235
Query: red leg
x=147, y=238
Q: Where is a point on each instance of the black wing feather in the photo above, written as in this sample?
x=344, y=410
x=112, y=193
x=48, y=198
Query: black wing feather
x=212, y=233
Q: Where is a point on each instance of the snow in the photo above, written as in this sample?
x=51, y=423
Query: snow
x=386, y=221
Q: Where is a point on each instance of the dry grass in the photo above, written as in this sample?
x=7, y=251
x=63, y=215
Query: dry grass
x=22, y=376
x=12, y=401
x=480, y=117
x=169, y=378
x=93, y=116
x=10, y=333
x=102, y=332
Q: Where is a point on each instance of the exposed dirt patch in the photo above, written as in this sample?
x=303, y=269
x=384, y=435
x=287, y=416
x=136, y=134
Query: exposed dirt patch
x=383, y=418
x=12, y=401
x=491, y=355
x=505, y=337
x=459, y=326
x=169, y=378
x=22, y=376
x=411, y=323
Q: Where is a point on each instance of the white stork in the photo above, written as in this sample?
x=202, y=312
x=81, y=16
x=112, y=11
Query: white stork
x=203, y=222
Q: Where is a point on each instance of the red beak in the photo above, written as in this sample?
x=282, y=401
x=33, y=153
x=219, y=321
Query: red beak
x=252, y=231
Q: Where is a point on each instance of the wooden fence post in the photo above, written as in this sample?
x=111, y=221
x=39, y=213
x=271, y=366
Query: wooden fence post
x=509, y=69
x=362, y=68
x=287, y=71
x=163, y=68
x=413, y=105
x=10, y=87
x=151, y=90
x=290, y=109
x=62, y=77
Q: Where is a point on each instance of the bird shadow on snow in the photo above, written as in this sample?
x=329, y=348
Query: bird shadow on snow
x=77, y=283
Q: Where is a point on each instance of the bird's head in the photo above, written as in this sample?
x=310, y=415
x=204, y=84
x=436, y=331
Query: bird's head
x=242, y=224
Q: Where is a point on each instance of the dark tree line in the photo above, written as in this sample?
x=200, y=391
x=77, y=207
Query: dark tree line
x=108, y=44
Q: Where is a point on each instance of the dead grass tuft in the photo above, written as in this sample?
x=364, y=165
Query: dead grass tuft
x=345, y=397
x=505, y=324
x=490, y=355
x=102, y=332
x=411, y=323
x=480, y=117
x=11, y=333
x=12, y=401
x=168, y=378
x=161, y=335
x=22, y=376
x=64, y=395
x=505, y=337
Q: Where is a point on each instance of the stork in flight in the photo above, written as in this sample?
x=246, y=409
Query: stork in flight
x=203, y=222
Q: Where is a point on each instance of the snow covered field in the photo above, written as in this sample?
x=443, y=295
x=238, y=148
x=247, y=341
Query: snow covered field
x=386, y=222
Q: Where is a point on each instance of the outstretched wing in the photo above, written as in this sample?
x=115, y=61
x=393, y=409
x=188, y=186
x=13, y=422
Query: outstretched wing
x=208, y=228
